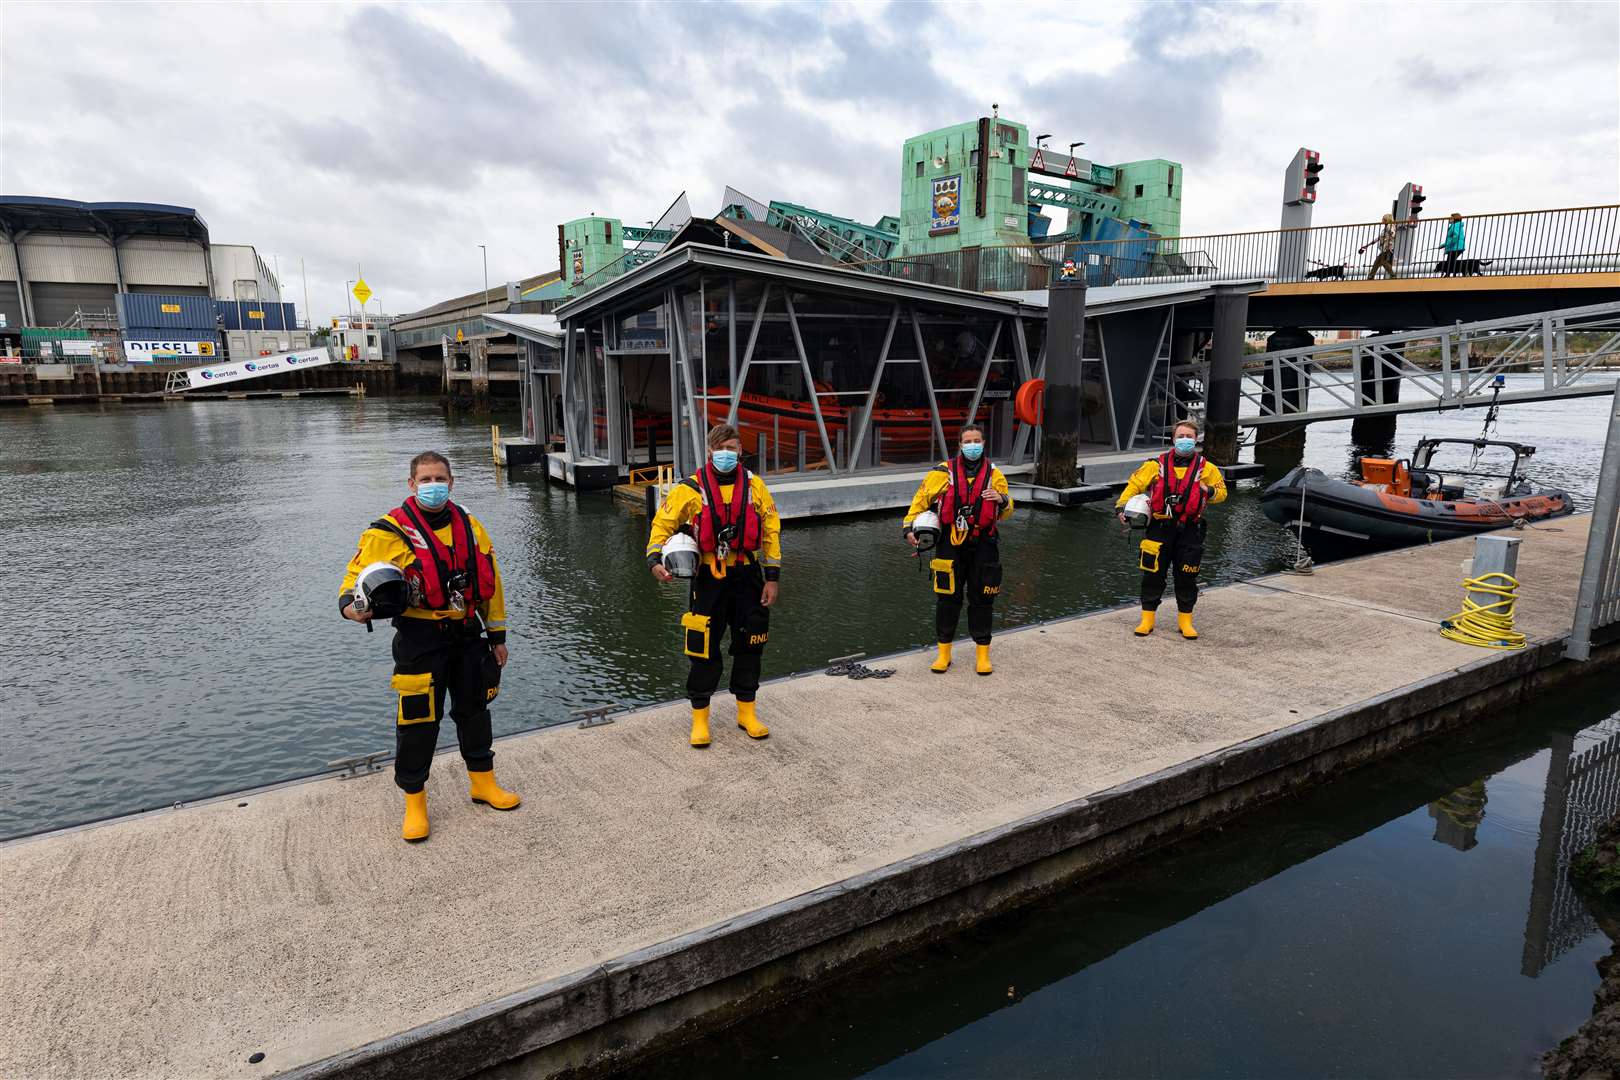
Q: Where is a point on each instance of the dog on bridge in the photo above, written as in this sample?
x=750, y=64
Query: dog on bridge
x=1465, y=267
x=1325, y=272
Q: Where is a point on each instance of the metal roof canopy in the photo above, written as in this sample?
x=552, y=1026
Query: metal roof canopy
x=34, y=212
x=1100, y=300
x=652, y=277
x=1108, y=299
x=540, y=329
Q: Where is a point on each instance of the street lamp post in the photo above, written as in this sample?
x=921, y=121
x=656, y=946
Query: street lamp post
x=485, y=250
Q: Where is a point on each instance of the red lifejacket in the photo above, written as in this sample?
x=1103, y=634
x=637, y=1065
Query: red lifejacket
x=1188, y=491
x=437, y=563
x=739, y=515
x=966, y=491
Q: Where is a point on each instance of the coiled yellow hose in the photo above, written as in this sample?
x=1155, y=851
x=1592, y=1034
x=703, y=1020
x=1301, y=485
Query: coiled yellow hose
x=1488, y=625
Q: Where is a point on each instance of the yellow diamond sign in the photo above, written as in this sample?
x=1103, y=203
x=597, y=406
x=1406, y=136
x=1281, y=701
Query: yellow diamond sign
x=362, y=291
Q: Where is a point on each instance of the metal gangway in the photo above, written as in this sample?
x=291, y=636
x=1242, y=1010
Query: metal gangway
x=1573, y=352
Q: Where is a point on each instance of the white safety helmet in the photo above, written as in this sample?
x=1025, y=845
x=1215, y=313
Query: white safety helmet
x=925, y=527
x=1138, y=511
x=681, y=555
x=381, y=590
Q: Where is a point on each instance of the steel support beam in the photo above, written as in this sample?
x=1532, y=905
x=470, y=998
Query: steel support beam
x=748, y=355
x=1595, y=601
x=928, y=384
x=810, y=383
x=872, y=393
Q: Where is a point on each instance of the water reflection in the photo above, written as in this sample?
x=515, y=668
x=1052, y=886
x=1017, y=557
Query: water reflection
x=1582, y=791
x=1457, y=816
x=1338, y=933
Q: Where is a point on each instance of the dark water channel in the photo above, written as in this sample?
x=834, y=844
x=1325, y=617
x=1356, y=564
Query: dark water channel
x=1411, y=919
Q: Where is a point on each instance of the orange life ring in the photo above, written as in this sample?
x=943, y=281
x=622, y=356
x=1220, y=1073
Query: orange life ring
x=1030, y=401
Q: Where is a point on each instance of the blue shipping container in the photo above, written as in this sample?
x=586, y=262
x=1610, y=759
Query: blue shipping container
x=256, y=315
x=169, y=312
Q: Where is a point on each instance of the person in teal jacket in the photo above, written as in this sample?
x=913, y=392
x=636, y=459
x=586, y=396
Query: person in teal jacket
x=1455, y=243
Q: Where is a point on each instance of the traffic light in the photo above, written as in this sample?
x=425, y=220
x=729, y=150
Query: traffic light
x=1313, y=169
x=1299, y=182
x=1409, y=203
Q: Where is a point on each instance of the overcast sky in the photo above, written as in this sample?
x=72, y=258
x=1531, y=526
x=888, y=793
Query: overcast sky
x=401, y=136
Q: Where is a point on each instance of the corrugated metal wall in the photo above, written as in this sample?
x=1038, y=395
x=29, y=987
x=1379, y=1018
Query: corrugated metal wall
x=151, y=260
x=56, y=301
x=239, y=263
x=161, y=310
x=61, y=257
x=11, y=303
x=169, y=290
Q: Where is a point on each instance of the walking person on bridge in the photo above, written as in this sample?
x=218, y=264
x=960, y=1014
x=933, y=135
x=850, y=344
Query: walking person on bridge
x=1386, y=249
x=720, y=528
x=959, y=507
x=1180, y=484
x=1456, y=243
x=430, y=565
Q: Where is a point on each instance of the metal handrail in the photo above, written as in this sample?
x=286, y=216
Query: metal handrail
x=1573, y=240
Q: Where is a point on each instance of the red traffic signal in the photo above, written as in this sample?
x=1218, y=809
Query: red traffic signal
x=1415, y=203
x=1313, y=167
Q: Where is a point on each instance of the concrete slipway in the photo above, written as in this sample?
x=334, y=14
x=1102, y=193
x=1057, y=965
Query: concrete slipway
x=645, y=889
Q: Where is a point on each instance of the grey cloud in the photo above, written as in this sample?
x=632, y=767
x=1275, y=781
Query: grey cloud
x=1155, y=103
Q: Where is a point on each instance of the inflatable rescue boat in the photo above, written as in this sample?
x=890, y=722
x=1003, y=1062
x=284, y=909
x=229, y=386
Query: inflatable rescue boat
x=1409, y=501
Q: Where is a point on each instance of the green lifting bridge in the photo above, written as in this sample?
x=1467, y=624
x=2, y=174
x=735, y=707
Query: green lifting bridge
x=983, y=183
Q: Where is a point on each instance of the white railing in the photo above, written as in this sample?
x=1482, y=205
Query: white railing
x=1444, y=367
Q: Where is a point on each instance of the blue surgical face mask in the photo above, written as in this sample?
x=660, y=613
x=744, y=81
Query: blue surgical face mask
x=973, y=451
x=725, y=460
x=1185, y=445
x=432, y=495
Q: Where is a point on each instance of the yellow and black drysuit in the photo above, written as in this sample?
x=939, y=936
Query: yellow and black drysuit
x=726, y=592
x=966, y=564
x=438, y=652
x=1175, y=535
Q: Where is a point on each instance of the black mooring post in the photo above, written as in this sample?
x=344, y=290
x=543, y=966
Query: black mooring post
x=1058, y=464
x=1231, y=311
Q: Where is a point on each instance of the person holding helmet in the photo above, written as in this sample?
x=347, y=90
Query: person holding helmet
x=429, y=565
x=956, y=513
x=1179, y=484
x=720, y=529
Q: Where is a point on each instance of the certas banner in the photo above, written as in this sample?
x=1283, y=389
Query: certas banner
x=256, y=368
x=946, y=213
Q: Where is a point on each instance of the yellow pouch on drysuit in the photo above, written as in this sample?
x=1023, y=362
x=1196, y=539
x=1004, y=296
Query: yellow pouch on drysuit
x=415, y=697
x=944, y=575
x=697, y=634
x=1149, y=562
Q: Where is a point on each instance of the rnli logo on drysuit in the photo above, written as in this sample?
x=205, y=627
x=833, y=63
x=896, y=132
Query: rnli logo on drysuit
x=757, y=639
x=992, y=590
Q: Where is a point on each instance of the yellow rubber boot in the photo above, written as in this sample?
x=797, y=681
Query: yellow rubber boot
x=943, y=660
x=491, y=794
x=1145, y=627
x=416, y=822
x=1184, y=622
x=982, y=660
x=700, y=726
x=749, y=722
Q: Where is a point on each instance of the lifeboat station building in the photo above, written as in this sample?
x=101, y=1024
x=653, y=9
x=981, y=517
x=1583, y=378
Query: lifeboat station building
x=847, y=384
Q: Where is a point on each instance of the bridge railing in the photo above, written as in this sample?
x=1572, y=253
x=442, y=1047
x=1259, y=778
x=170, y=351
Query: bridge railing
x=1446, y=367
x=1565, y=241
